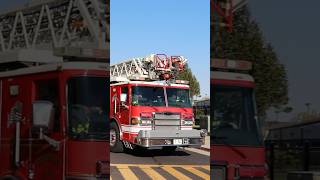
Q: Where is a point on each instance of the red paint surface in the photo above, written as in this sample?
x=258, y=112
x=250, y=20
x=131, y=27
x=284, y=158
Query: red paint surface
x=238, y=83
x=252, y=164
x=82, y=156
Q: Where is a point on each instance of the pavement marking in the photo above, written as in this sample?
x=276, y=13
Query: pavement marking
x=153, y=174
x=150, y=172
x=199, y=151
x=198, y=173
x=176, y=173
x=127, y=173
x=206, y=167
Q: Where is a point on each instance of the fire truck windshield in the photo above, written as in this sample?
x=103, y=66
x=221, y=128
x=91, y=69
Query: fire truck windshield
x=87, y=107
x=155, y=96
x=178, y=97
x=234, y=120
x=148, y=96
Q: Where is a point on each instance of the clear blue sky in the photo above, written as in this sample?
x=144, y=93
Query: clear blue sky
x=293, y=27
x=174, y=27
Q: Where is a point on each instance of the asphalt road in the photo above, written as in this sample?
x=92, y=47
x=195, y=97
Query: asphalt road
x=156, y=164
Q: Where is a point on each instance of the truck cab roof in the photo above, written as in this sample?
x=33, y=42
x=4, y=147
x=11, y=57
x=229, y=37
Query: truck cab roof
x=154, y=83
x=221, y=75
x=55, y=67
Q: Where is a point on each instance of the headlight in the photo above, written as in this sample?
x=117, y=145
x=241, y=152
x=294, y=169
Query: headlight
x=218, y=172
x=187, y=119
x=146, y=119
x=135, y=120
x=187, y=122
x=145, y=122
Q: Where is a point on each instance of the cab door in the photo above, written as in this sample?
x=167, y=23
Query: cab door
x=124, y=105
x=47, y=158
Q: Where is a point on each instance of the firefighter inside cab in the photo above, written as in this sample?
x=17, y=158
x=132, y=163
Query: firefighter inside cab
x=136, y=99
x=83, y=116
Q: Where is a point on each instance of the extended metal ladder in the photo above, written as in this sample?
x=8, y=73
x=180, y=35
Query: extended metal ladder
x=152, y=67
x=54, y=23
x=42, y=31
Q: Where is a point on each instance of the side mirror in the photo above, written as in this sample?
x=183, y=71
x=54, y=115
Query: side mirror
x=43, y=114
x=123, y=97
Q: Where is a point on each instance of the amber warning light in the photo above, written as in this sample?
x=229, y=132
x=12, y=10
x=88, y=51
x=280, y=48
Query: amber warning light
x=231, y=64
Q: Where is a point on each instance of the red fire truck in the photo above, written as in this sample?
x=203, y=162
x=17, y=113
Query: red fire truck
x=237, y=150
x=54, y=91
x=148, y=107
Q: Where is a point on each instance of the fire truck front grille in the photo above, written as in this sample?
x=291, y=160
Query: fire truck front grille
x=167, y=116
x=167, y=120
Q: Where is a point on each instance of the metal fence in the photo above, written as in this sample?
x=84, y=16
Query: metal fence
x=293, y=148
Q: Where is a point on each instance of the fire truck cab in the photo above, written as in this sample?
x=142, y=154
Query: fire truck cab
x=54, y=90
x=149, y=108
x=237, y=150
x=53, y=122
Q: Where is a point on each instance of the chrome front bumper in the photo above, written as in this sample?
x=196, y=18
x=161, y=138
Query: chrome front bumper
x=160, y=138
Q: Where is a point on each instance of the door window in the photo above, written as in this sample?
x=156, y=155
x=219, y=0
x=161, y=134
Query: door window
x=47, y=90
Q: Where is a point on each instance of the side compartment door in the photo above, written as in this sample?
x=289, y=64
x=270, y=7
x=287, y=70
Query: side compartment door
x=15, y=118
x=115, y=101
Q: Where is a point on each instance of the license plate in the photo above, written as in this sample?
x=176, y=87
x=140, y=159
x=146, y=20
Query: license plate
x=177, y=141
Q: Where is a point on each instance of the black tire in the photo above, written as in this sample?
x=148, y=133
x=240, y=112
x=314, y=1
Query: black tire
x=117, y=147
x=169, y=149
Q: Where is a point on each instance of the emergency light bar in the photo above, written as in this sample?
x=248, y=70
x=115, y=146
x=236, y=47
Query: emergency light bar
x=231, y=64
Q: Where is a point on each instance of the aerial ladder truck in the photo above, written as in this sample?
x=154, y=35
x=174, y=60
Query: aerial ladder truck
x=237, y=150
x=149, y=107
x=54, y=90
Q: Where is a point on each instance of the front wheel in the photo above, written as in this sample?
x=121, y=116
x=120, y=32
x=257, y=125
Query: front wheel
x=115, y=144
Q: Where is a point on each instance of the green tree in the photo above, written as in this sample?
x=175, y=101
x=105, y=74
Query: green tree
x=187, y=75
x=246, y=42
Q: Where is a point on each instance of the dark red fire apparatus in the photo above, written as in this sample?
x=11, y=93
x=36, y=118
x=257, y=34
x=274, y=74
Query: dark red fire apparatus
x=54, y=84
x=54, y=122
x=237, y=150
